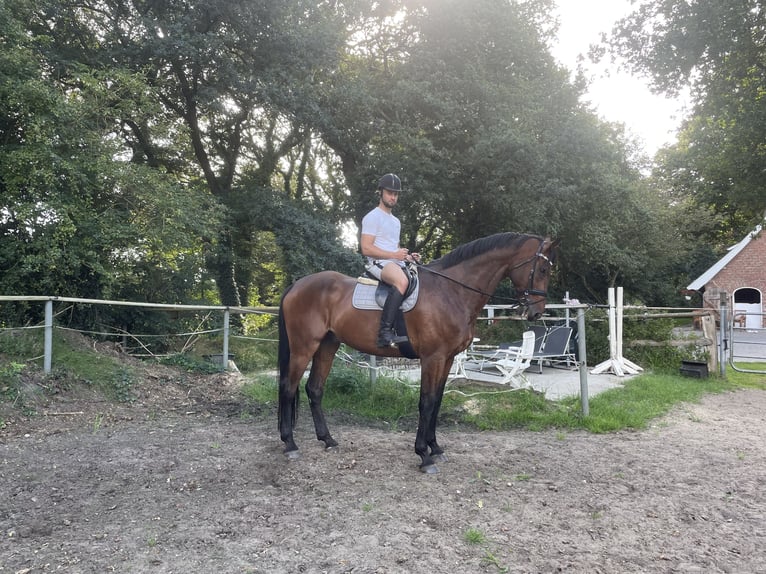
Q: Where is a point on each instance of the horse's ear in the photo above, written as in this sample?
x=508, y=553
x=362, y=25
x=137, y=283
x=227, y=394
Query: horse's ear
x=553, y=249
x=554, y=243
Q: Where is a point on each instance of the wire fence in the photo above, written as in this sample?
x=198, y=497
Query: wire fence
x=139, y=339
x=570, y=313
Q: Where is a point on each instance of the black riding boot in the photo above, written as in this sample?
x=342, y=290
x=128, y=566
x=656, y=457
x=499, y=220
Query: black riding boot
x=387, y=337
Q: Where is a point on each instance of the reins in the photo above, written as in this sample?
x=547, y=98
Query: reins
x=522, y=296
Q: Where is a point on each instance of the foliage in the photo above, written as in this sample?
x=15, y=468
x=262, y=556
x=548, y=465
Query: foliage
x=10, y=382
x=714, y=51
x=500, y=331
x=214, y=152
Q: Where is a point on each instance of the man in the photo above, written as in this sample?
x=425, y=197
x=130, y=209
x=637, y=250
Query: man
x=385, y=259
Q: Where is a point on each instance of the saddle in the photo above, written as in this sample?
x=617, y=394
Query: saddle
x=371, y=294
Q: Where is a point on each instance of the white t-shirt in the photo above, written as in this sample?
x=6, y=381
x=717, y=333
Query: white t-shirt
x=386, y=228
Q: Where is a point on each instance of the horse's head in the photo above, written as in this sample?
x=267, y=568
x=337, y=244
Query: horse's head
x=531, y=277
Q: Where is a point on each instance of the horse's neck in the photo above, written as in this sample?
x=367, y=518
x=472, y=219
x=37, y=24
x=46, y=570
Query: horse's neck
x=481, y=275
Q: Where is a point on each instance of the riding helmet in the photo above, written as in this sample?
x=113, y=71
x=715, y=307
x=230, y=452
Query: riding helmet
x=390, y=182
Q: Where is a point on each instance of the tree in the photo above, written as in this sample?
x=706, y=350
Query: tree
x=247, y=132
x=75, y=222
x=488, y=134
x=718, y=50
x=220, y=85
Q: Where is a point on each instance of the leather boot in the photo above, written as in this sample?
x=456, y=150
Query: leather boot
x=387, y=337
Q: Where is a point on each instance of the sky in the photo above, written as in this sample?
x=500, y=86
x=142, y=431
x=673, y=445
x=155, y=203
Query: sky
x=616, y=96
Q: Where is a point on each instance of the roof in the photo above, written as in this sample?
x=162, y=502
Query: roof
x=735, y=250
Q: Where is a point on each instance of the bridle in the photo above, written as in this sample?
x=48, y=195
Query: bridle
x=521, y=301
x=530, y=290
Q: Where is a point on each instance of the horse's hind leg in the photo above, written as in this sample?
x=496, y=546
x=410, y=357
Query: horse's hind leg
x=320, y=368
x=288, y=404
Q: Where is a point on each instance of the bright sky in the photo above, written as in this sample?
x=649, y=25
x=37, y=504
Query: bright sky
x=616, y=95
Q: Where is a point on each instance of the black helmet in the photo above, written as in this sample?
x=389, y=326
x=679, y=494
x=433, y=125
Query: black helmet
x=390, y=182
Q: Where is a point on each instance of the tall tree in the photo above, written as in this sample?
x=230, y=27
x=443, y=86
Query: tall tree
x=229, y=77
x=717, y=50
x=489, y=134
x=73, y=221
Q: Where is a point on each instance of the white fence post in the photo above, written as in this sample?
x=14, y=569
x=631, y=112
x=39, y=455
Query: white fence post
x=616, y=363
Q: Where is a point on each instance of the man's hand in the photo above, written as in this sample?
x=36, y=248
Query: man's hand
x=414, y=257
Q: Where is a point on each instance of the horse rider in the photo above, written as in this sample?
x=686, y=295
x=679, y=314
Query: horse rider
x=385, y=258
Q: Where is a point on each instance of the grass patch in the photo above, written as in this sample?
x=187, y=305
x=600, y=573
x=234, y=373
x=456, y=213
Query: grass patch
x=474, y=536
x=351, y=396
x=646, y=397
x=74, y=363
x=639, y=401
x=350, y=393
x=109, y=375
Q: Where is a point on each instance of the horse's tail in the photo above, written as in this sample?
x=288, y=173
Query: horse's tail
x=283, y=363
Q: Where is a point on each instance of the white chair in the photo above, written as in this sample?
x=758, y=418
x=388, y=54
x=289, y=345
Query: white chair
x=500, y=366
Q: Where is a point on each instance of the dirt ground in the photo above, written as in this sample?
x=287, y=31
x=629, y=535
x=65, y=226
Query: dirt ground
x=192, y=483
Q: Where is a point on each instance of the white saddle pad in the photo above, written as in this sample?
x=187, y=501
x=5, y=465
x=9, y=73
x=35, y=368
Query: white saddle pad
x=364, y=297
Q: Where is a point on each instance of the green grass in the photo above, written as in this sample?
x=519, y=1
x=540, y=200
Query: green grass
x=350, y=393
x=474, y=536
x=352, y=397
x=108, y=374
x=639, y=401
x=646, y=397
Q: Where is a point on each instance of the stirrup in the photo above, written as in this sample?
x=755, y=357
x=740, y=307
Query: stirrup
x=389, y=338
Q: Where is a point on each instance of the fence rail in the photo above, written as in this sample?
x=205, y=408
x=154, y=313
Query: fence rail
x=572, y=312
x=48, y=323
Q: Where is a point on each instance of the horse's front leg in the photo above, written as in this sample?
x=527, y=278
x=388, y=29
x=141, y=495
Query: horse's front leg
x=432, y=382
x=437, y=452
x=320, y=369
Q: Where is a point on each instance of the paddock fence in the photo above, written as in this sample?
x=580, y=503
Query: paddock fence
x=48, y=324
x=571, y=313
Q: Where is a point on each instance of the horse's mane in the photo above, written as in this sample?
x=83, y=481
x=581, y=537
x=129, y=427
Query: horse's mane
x=480, y=246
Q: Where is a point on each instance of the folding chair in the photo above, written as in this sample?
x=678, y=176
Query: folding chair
x=502, y=365
x=555, y=348
x=540, y=332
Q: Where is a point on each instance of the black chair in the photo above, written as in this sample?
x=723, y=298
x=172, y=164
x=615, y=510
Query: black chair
x=555, y=348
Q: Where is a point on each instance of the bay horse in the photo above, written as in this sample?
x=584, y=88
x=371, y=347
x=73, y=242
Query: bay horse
x=316, y=315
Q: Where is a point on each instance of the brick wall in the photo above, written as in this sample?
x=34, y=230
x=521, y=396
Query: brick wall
x=747, y=269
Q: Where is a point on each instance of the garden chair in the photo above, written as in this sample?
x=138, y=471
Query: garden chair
x=502, y=366
x=555, y=348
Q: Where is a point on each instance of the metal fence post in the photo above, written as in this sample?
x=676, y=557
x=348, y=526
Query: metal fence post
x=225, y=357
x=48, y=346
x=582, y=355
x=373, y=369
x=723, y=317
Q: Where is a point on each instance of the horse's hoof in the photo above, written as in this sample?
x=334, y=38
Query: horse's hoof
x=332, y=448
x=441, y=457
x=293, y=455
x=429, y=469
